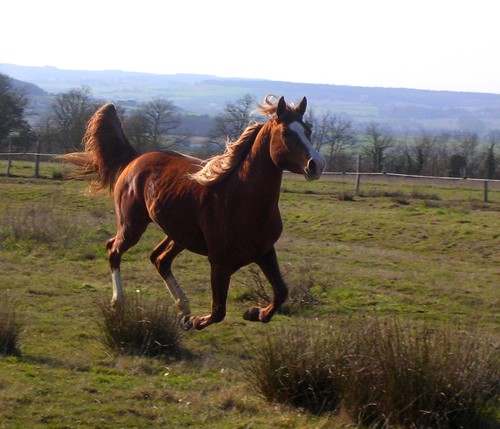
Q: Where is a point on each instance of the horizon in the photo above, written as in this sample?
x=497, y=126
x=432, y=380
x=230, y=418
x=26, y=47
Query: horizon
x=48, y=66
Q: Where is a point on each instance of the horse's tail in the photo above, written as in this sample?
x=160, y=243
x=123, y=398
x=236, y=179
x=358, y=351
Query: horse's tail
x=106, y=150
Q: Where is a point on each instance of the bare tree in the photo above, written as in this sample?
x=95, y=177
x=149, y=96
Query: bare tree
x=440, y=155
x=378, y=141
x=69, y=115
x=490, y=161
x=162, y=119
x=416, y=156
x=136, y=127
x=466, y=147
x=233, y=121
x=334, y=135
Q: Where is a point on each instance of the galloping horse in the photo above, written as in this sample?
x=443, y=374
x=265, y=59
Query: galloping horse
x=225, y=208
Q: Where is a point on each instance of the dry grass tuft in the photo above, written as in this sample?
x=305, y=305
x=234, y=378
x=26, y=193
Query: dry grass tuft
x=10, y=329
x=140, y=327
x=293, y=366
x=41, y=223
x=382, y=372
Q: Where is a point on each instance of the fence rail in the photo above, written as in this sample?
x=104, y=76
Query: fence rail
x=410, y=176
x=7, y=154
x=486, y=184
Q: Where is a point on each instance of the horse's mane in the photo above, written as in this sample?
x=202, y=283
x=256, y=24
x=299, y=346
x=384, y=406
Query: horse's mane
x=220, y=166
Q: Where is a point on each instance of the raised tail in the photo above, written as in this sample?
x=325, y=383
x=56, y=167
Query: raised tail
x=106, y=150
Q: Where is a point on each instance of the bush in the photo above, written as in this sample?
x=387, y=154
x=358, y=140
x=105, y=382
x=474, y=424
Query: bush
x=9, y=329
x=383, y=373
x=293, y=366
x=416, y=375
x=140, y=327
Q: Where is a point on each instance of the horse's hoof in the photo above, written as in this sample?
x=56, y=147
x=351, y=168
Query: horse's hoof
x=186, y=323
x=252, y=314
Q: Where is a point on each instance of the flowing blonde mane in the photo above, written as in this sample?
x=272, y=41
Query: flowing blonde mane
x=220, y=166
x=269, y=107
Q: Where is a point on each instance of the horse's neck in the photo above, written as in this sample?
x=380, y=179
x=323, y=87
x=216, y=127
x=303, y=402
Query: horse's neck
x=261, y=175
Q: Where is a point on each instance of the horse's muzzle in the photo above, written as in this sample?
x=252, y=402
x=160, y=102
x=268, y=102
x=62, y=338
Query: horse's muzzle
x=314, y=168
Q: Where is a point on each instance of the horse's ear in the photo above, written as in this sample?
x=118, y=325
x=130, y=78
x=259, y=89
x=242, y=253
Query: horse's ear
x=301, y=108
x=281, y=109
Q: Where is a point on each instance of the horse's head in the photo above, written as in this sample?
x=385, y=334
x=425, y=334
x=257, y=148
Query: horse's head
x=291, y=147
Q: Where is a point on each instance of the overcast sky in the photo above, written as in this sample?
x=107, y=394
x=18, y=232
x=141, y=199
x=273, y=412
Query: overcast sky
x=425, y=44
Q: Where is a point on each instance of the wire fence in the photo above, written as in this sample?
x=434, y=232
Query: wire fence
x=16, y=156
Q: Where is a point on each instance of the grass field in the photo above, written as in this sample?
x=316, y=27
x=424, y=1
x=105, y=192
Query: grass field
x=415, y=253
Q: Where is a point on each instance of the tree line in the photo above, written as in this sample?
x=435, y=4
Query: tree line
x=159, y=124
x=454, y=154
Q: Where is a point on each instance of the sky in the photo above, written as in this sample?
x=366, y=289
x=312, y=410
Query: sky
x=426, y=44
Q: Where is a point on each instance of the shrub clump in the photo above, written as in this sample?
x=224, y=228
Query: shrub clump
x=293, y=366
x=140, y=326
x=419, y=376
x=382, y=373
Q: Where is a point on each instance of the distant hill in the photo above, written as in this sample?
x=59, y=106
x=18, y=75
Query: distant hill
x=28, y=88
x=400, y=108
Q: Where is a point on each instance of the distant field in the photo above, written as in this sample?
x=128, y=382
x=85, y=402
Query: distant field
x=401, y=250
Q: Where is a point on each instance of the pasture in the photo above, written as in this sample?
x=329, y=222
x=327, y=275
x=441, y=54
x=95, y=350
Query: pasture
x=405, y=251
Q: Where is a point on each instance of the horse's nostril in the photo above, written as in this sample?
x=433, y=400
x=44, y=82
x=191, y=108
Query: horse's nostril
x=311, y=165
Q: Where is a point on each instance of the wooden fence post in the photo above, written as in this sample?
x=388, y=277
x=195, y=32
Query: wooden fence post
x=358, y=176
x=485, y=191
x=9, y=158
x=37, y=159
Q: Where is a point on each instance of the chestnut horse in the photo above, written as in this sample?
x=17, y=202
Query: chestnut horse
x=225, y=208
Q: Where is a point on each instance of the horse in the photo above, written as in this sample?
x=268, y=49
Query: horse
x=225, y=208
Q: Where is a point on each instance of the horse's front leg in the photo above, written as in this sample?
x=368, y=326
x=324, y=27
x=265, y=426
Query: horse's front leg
x=268, y=263
x=219, y=278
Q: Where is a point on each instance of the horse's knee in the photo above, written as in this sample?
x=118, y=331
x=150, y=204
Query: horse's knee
x=109, y=243
x=113, y=255
x=114, y=259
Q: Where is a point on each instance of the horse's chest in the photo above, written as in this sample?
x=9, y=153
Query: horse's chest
x=243, y=242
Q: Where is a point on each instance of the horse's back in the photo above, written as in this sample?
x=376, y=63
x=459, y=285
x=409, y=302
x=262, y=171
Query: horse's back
x=168, y=163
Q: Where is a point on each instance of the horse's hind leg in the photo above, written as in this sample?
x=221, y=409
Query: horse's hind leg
x=268, y=263
x=114, y=263
x=125, y=238
x=162, y=257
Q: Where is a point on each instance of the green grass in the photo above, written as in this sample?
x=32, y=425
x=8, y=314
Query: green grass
x=434, y=258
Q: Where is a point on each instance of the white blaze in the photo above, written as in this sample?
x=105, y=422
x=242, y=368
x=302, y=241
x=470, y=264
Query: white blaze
x=299, y=129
